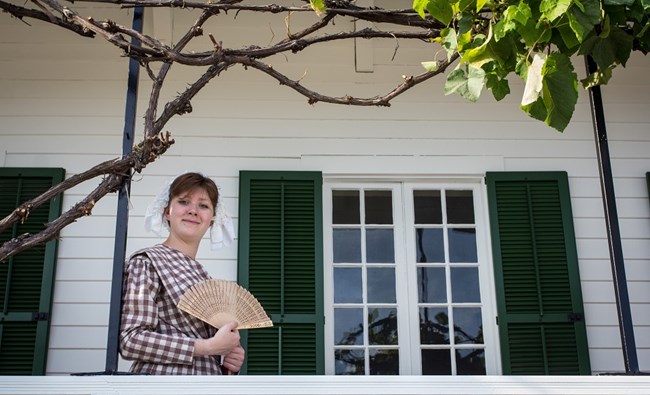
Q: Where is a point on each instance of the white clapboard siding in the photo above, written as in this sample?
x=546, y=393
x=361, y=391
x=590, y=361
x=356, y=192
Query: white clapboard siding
x=62, y=102
x=79, y=337
x=79, y=314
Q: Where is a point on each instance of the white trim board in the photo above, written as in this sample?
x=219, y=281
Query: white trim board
x=321, y=385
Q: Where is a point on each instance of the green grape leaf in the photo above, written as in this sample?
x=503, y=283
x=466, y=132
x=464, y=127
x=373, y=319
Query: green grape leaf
x=553, y=9
x=420, y=6
x=438, y=9
x=467, y=84
x=600, y=77
x=480, y=55
x=614, y=48
x=499, y=87
x=449, y=41
x=430, y=66
x=559, y=94
x=533, y=88
x=318, y=6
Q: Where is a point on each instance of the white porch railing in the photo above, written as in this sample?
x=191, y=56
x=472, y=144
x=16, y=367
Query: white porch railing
x=326, y=385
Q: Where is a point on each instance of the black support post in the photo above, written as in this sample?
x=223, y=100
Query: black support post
x=611, y=220
x=121, y=226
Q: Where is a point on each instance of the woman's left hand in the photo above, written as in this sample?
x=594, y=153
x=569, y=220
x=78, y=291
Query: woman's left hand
x=234, y=359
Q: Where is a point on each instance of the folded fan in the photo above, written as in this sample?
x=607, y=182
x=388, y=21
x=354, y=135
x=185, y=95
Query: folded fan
x=218, y=302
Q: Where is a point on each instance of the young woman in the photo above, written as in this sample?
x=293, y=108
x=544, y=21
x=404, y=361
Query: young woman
x=155, y=334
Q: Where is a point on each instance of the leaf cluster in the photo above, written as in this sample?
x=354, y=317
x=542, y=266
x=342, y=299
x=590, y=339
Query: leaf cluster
x=535, y=39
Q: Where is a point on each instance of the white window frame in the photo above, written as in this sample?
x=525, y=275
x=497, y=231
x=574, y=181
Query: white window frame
x=406, y=275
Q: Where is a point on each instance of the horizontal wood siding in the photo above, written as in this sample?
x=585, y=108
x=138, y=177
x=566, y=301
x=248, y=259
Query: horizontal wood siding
x=62, y=101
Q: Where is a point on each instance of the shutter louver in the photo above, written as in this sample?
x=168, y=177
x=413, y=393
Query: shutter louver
x=26, y=279
x=281, y=264
x=265, y=241
x=537, y=277
x=17, y=348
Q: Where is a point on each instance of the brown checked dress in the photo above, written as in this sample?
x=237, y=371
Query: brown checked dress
x=154, y=333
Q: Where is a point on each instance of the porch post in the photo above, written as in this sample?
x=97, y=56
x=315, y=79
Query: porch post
x=121, y=225
x=611, y=220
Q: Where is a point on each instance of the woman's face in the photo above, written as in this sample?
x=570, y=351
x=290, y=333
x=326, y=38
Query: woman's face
x=190, y=214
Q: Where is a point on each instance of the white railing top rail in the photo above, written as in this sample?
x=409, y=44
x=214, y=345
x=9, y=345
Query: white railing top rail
x=326, y=385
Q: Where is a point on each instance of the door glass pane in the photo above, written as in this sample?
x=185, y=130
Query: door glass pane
x=379, y=207
x=432, y=285
x=348, y=326
x=347, y=245
x=429, y=245
x=347, y=285
x=470, y=361
x=379, y=246
x=427, y=207
x=382, y=326
x=434, y=325
x=436, y=362
x=381, y=285
x=468, y=325
x=460, y=207
x=462, y=245
x=465, y=285
x=349, y=362
x=384, y=362
x=345, y=207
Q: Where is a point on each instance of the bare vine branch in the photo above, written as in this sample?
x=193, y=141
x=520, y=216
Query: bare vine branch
x=23, y=12
x=115, y=171
x=314, y=97
x=388, y=24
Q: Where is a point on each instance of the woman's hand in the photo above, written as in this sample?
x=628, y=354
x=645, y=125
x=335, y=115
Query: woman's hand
x=234, y=359
x=222, y=343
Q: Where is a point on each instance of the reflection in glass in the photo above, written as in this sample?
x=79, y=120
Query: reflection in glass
x=379, y=207
x=382, y=326
x=465, y=285
x=460, y=207
x=436, y=362
x=429, y=245
x=427, y=207
x=380, y=246
x=348, y=326
x=381, y=285
x=468, y=325
x=462, y=245
x=434, y=325
x=349, y=362
x=470, y=361
x=384, y=362
x=432, y=286
x=347, y=285
x=347, y=245
x=345, y=207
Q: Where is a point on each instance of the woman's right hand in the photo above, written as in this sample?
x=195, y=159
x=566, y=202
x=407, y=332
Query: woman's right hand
x=226, y=339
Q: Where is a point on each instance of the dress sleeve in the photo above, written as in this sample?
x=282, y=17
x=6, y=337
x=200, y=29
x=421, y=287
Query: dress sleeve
x=138, y=337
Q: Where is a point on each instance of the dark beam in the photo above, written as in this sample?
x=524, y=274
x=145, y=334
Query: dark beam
x=121, y=226
x=611, y=220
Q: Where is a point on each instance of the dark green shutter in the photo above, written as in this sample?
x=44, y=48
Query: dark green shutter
x=281, y=263
x=27, y=279
x=540, y=310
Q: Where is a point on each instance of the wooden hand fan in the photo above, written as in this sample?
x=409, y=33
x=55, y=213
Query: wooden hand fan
x=218, y=302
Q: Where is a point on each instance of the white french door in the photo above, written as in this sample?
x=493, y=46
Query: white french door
x=407, y=286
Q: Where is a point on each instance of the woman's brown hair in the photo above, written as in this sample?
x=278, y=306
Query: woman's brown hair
x=188, y=182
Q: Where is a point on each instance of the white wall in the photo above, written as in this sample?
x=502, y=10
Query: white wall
x=62, y=100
